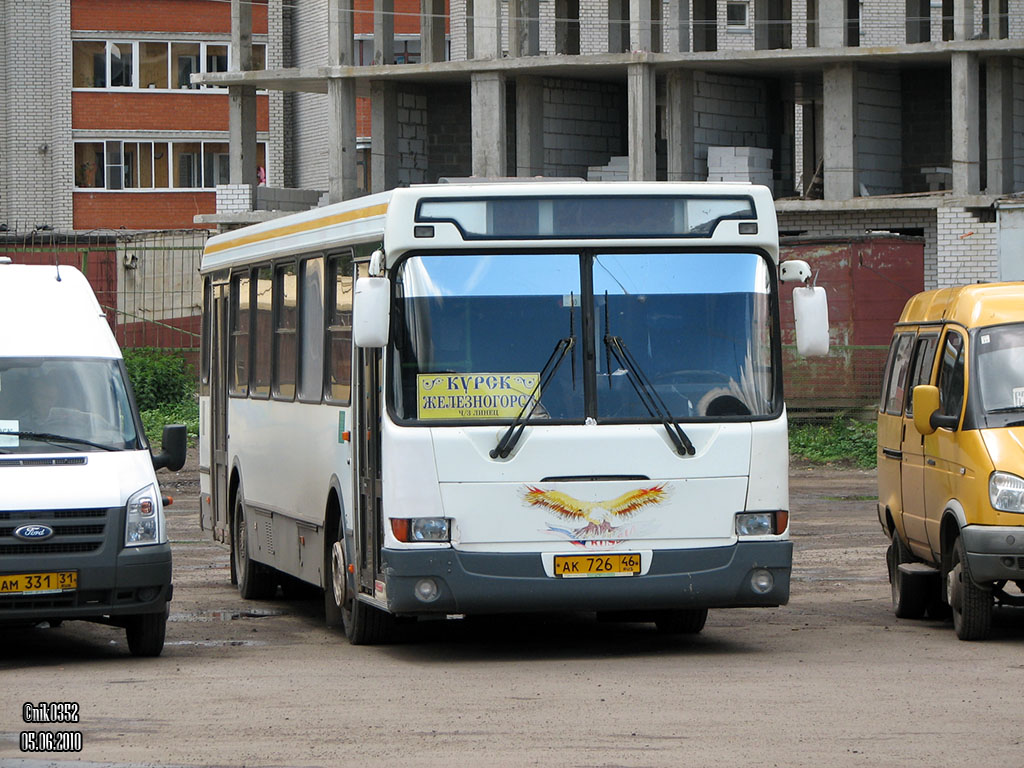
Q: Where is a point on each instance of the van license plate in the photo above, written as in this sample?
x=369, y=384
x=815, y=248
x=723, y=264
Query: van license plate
x=577, y=566
x=38, y=583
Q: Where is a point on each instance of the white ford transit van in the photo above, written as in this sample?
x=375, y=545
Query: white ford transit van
x=82, y=532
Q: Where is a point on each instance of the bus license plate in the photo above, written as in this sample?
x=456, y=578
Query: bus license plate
x=576, y=566
x=38, y=583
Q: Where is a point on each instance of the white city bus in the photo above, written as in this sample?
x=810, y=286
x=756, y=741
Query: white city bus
x=476, y=398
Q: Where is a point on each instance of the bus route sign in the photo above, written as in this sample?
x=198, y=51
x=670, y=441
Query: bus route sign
x=473, y=395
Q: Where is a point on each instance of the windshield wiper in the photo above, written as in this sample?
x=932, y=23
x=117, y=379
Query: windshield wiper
x=1007, y=409
x=49, y=437
x=648, y=394
x=515, y=429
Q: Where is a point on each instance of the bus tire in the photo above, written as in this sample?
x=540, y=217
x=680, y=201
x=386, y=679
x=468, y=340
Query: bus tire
x=255, y=580
x=971, y=604
x=364, y=624
x=909, y=598
x=683, y=622
x=335, y=571
x=146, y=632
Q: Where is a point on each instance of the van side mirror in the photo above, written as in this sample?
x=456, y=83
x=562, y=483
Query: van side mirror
x=172, y=448
x=371, y=312
x=927, y=418
x=810, y=311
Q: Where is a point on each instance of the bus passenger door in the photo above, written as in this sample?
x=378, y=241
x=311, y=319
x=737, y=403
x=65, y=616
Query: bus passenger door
x=219, y=413
x=369, y=535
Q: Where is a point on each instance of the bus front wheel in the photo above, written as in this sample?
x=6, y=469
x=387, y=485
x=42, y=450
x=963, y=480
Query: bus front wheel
x=683, y=622
x=971, y=604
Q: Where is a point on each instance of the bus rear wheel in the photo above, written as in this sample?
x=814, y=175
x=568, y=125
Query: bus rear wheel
x=684, y=622
x=255, y=581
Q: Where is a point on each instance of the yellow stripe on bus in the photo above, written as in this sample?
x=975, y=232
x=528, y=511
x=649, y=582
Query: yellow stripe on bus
x=305, y=226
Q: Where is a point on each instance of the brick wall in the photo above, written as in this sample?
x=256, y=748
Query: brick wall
x=412, y=137
x=162, y=15
x=234, y=198
x=1018, y=119
x=307, y=147
x=275, y=99
x=449, y=136
x=968, y=249
x=839, y=224
x=584, y=125
x=593, y=26
x=35, y=162
x=728, y=112
x=141, y=210
x=883, y=22
x=112, y=111
x=879, y=152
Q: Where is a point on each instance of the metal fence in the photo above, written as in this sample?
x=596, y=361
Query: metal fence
x=845, y=383
x=147, y=283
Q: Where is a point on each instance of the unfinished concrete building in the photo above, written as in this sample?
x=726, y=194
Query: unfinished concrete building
x=864, y=116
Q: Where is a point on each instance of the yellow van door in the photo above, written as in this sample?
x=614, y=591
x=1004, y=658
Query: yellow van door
x=912, y=478
x=890, y=427
x=944, y=468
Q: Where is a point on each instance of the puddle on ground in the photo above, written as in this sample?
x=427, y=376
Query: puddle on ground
x=216, y=643
x=248, y=613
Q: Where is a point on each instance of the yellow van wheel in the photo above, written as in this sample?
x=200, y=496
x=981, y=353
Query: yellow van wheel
x=971, y=604
x=909, y=596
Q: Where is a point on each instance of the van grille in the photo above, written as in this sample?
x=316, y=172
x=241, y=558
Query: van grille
x=75, y=461
x=86, y=533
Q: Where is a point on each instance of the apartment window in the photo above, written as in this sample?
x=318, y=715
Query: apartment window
x=216, y=164
x=407, y=50
x=132, y=165
x=153, y=72
x=736, y=14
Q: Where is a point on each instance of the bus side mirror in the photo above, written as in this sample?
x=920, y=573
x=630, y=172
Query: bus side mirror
x=925, y=399
x=172, y=448
x=810, y=311
x=371, y=312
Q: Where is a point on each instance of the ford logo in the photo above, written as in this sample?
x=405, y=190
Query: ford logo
x=33, y=532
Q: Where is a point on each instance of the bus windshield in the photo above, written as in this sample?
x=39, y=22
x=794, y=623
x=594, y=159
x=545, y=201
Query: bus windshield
x=57, y=405
x=474, y=332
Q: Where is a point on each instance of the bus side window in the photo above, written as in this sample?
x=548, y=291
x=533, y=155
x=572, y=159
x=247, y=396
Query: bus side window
x=262, y=331
x=239, y=377
x=285, y=336
x=897, y=382
x=951, y=376
x=338, y=365
x=311, y=330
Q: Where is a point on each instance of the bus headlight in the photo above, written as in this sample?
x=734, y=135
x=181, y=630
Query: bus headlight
x=762, y=523
x=142, y=521
x=413, y=529
x=1006, y=492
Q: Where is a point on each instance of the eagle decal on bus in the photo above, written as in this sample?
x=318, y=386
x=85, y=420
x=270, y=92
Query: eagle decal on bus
x=601, y=518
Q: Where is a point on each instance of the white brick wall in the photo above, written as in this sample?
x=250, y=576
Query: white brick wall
x=728, y=112
x=879, y=137
x=1018, y=123
x=858, y=223
x=275, y=59
x=968, y=249
x=234, y=198
x=883, y=22
x=309, y=149
x=593, y=26
x=1016, y=19
x=581, y=126
x=412, y=138
x=36, y=152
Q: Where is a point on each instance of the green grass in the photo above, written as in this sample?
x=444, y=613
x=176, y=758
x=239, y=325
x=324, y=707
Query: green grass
x=841, y=441
x=185, y=411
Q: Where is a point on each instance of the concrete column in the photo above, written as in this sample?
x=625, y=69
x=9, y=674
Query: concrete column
x=840, y=96
x=966, y=135
x=999, y=126
x=487, y=98
x=831, y=23
x=529, y=126
x=341, y=139
x=487, y=29
x=679, y=125
x=432, y=19
x=383, y=31
x=242, y=159
x=678, y=26
x=523, y=28
x=384, y=131
x=963, y=19
x=640, y=21
x=339, y=33
x=641, y=119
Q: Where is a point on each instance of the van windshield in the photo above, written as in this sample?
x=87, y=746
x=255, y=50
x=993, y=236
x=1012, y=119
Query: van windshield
x=1000, y=372
x=64, y=405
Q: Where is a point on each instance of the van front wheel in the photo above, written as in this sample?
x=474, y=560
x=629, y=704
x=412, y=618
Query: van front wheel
x=909, y=598
x=146, y=632
x=971, y=604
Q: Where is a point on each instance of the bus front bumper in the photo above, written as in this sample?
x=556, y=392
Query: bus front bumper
x=473, y=582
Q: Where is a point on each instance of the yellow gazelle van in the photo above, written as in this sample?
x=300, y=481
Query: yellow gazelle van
x=951, y=455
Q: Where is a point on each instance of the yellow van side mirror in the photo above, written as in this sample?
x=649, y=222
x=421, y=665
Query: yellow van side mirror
x=926, y=403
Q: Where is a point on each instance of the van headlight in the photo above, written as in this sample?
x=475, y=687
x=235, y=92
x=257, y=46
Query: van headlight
x=1006, y=492
x=142, y=521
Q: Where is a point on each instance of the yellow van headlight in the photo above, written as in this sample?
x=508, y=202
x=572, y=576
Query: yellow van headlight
x=1006, y=492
